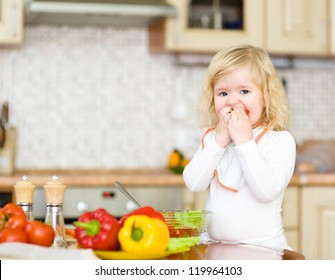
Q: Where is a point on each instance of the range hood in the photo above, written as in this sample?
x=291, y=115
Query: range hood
x=119, y=13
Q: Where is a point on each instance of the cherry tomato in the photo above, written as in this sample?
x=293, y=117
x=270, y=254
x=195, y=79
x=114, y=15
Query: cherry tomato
x=182, y=232
x=39, y=233
x=12, y=216
x=13, y=235
x=70, y=232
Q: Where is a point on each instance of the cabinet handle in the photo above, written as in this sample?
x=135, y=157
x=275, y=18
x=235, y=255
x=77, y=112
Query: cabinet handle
x=323, y=33
x=14, y=20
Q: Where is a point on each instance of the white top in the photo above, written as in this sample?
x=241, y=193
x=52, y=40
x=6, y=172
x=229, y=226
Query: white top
x=249, y=211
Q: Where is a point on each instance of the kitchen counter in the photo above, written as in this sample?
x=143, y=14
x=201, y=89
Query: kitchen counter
x=88, y=178
x=313, y=179
x=211, y=251
x=132, y=177
x=217, y=251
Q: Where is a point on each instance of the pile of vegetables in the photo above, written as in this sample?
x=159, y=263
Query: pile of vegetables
x=177, y=161
x=14, y=227
x=142, y=231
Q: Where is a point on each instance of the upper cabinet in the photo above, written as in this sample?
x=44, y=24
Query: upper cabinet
x=208, y=26
x=11, y=22
x=297, y=27
x=283, y=27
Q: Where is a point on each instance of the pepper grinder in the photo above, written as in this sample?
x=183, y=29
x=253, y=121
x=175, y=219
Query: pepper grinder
x=24, y=193
x=54, y=193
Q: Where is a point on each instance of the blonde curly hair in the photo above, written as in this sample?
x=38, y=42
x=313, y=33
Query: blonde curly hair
x=264, y=75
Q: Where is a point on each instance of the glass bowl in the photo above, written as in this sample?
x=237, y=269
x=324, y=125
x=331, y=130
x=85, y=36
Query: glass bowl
x=186, y=223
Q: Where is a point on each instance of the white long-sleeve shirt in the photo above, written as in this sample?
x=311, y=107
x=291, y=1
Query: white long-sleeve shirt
x=250, y=210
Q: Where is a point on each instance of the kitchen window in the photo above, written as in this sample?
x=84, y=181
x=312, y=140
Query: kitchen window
x=216, y=14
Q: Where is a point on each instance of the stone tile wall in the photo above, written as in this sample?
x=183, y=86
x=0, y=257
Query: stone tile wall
x=96, y=98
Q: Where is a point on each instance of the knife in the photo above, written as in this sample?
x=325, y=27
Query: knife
x=5, y=114
x=2, y=128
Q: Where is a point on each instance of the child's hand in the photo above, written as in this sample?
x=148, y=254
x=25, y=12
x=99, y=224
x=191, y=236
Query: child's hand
x=239, y=126
x=222, y=134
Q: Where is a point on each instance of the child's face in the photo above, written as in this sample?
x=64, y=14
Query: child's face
x=236, y=89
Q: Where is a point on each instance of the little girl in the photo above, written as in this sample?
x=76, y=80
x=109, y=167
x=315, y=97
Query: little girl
x=246, y=156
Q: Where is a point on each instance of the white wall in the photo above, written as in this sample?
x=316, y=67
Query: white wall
x=96, y=98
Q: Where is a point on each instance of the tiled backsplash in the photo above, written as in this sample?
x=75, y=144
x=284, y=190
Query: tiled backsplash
x=96, y=98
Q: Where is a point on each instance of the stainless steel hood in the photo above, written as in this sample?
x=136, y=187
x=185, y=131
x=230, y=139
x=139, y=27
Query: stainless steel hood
x=119, y=13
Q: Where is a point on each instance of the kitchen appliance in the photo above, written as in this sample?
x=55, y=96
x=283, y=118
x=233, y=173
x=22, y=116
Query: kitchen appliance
x=78, y=200
x=5, y=198
x=121, y=13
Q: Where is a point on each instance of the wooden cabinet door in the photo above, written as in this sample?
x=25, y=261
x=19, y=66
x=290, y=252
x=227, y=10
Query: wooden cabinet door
x=297, y=27
x=11, y=22
x=179, y=37
x=195, y=200
x=332, y=26
x=291, y=216
x=318, y=223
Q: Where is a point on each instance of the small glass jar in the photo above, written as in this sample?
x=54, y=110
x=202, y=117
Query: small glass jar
x=54, y=192
x=54, y=217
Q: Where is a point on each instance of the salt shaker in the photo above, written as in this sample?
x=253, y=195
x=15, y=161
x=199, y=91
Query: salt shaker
x=54, y=193
x=24, y=193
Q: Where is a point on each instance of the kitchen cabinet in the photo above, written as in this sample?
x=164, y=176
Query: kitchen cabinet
x=177, y=34
x=297, y=27
x=318, y=222
x=291, y=216
x=332, y=26
x=11, y=22
x=195, y=200
x=282, y=27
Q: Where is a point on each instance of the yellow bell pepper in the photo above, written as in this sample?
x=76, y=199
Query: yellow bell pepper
x=141, y=233
x=175, y=158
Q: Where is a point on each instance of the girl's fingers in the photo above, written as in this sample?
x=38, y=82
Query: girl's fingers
x=226, y=118
x=244, y=113
x=240, y=112
x=225, y=110
x=225, y=114
x=234, y=116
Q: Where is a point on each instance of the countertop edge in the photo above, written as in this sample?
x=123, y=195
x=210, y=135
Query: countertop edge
x=132, y=178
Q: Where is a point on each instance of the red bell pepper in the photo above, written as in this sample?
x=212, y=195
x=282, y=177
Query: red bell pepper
x=145, y=210
x=98, y=230
x=12, y=216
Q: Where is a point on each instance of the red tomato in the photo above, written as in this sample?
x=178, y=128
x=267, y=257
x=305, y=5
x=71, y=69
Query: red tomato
x=13, y=235
x=40, y=233
x=12, y=216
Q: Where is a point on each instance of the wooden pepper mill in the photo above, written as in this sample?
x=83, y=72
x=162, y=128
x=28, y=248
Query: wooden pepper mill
x=24, y=196
x=54, y=193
